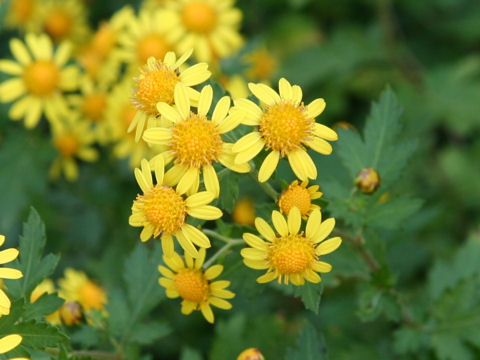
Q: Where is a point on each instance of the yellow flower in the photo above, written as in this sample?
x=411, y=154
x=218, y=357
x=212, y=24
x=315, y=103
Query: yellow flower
x=39, y=80
x=188, y=280
x=236, y=85
x=46, y=286
x=20, y=13
x=300, y=196
x=262, y=65
x=210, y=27
x=284, y=126
x=291, y=256
x=157, y=82
x=194, y=141
x=61, y=20
x=7, y=256
x=244, y=212
x=72, y=139
x=145, y=37
x=164, y=210
x=251, y=354
x=76, y=286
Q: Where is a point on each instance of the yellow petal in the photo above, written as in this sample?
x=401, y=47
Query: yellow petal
x=256, y=264
x=9, y=342
x=10, y=67
x=246, y=142
x=187, y=180
x=320, y=146
x=252, y=113
x=328, y=246
x=323, y=230
x=313, y=223
x=279, y=223
x=157, y=135
x=195, y=74
x=169, y=112
x=8, y=273
x=213, y=272
x=205, y=212
x=264, y=93
x=322, y=267
x=230, y=122
x=221, y=109
x=268, y=166
x=168, y=246
x=11, y=89
x=199, y=199
x=182, y=100
x=264, y=229
x=207, y=313
x=220, y=303
x=211, y=180
x=315, y=108
x=250, y=153
x=20, y=52
x=186, y=244
x=8, y=255
x=269, y=276
x=205, y=101
x=285, y=89
x=255, y=242
x=196, y=236
x=294, y=220
x=253, y=254
x=325, y=132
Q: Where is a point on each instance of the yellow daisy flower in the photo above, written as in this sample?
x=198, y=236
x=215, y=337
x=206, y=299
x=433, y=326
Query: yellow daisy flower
x=72, y=139
x=300, y=196
x=261, y=65
x=210, y=27
x=39, y=79
x=145, y=37
x=163, y=210
x=20, y=13
x=156, y=83
x=76, y=286
x=187, y=279
x=195, y=142
x=284, y=126
x=291, y=256
x=7, y=256
x=46, y=286
x=62, y=20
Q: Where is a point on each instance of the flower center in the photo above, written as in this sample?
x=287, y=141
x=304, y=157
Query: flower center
x=104, y=40
x=67, y=144
x=22, y=9
x=295, y=195
x=155, y=86
x=91, y=296
x=164, y=209
x=191, y=285
x=151, y=45
x=199, y=16
x=291, y=254
x=285, y=126
x=94, y=106
x=58, y=24
x=41, y=77
x=195, y=141
x=263, y=65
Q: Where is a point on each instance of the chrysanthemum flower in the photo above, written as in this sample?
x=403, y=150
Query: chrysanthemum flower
x=290, y=255
x=39, y=80
x=210, y=27
x=7, y=256
x=20, y=13
x=163, y=210
x=157, y=82
x=76, y=286
x=195, y=142
x=284, y=126
x=188, y=280
x=62, y=20
x=72, y=139
x=300, y=196
x=46, y=287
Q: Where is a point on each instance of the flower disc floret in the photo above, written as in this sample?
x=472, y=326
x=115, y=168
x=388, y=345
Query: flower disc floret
x=196, y=141
x=151, y=45
x=41, y=77
x=191, y=285
x=94, y=106
x=58, y=24
x=298, y=195
x=199, y=16
x=292, y=254
x=67, y=144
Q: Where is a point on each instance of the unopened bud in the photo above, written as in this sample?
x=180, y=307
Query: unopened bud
x=244, y=212
x=71, y=313
x=367, y=180
x=251, y=354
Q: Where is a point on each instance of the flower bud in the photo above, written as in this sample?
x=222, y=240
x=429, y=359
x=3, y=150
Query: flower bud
x=244, y=212
x=71, y=313
x=367, y=180
x=251, y=354
x=343, y=125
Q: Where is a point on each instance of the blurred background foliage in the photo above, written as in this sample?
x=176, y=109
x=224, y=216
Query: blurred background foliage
x=421, y=297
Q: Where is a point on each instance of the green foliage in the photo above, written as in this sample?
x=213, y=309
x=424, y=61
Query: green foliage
x=310, y=346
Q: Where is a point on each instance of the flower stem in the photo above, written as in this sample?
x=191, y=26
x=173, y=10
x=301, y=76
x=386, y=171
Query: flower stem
x=228, y=244
x=265, y=185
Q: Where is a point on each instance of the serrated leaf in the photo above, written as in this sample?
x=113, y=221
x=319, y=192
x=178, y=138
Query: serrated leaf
x=351, y=151
x=40, y=335
x=310, y=346
x=392, y=213
x=118, y=310
x=310, y=294
x=145, y=334
x=44, y=305
x=34, y=267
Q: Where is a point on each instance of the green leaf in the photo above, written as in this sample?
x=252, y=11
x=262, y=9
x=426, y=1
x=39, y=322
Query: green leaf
x=392, y=213
x=35, y=268
x=146, y=334
x=351, y=151
x=310, y=346
x=310, y=294
x=44, y=305
x=230, y=190
x=190, y=354
x=7, y=322
x=40, y=335
x=118, y=310
x=86, y=335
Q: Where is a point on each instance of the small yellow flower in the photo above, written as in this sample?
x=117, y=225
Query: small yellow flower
x=210, y=27
x=39, y=79
x=262, y=65
x=187, y=279
x=300, y=196
x=194, y=142
x=291, y=256
x=244, y=212
x=7, y=256
x=368, y=180
x=284, y=126
x=20, y=13
x=163, y=210
x=72, y=139
x=46, y=286
x=76, y=286
x=251, y=354
x=157, y=82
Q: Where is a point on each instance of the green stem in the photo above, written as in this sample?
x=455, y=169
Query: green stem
x=265, y=185
x=216, y=235
x=224, y=248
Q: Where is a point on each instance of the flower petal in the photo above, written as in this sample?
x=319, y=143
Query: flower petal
x=199, y=199
x=268, y=166
x=328, y=246
x=213, y=272
x=294, y=220
x=205, y=101
x=264, y=229
x=323, y=230
x=205, y=212
x=316, y=107
x=211, y=180
x=279, y=223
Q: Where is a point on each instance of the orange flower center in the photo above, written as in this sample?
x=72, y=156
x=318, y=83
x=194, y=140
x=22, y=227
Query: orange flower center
x=94, y=105
x=58, y=24
x=91, y=296
x=164, y=209
x=67, y=144
x=41, y=77
x=104, y=40
x=291, y=254
x=196, y=141
x=244, y=212
x=152, y=45
x=295, y=195
x=199, y=16
x=22, y=9
x=155, y=86
x=192, y=285
x=262, y=65
x=285, y=126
